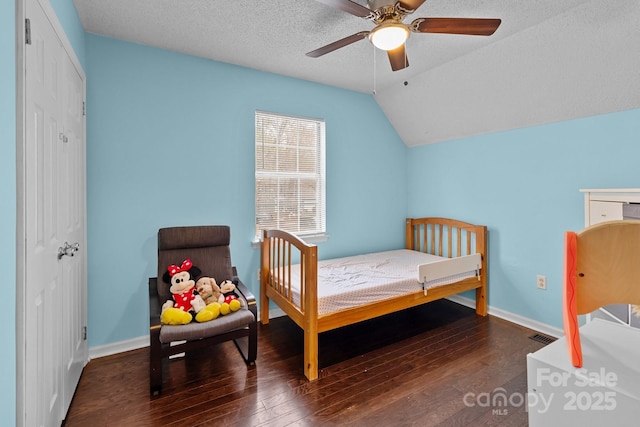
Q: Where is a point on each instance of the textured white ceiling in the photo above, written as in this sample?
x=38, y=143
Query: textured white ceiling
x=550, y=60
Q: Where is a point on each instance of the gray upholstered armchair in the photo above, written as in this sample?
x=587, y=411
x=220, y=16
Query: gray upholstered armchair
x=208, y=249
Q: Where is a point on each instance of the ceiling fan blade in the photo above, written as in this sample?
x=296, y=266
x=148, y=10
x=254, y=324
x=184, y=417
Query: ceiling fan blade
x=398, y=58
x=349, y=6
x=410, y=6
x=470, y=26
x=338, y=44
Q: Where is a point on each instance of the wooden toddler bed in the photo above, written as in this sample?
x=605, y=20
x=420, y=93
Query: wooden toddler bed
x=443, y=257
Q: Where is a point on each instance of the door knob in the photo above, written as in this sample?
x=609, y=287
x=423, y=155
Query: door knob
x=68, y=250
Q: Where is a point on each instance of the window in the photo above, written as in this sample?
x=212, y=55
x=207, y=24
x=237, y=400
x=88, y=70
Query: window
x=290, y=174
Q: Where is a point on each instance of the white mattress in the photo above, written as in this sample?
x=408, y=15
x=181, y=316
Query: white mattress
x=362, y=279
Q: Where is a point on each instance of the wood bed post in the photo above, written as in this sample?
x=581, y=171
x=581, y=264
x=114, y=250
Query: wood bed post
x=265, y=260
x=410, y=234
x=482, y=292
x=311, y=314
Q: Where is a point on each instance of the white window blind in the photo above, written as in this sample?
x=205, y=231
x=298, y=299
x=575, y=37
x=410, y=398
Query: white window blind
x=290, y=174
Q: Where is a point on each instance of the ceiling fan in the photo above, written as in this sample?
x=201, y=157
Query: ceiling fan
x=390, y=33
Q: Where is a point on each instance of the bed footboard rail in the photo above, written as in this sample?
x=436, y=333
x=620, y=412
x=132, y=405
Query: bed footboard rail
x=279, y=252
x=295, y=294
x=452, y=239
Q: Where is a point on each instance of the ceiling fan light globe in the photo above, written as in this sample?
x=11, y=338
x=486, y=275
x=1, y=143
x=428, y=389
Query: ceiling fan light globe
x=389, y=36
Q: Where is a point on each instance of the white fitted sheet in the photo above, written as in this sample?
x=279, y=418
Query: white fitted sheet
x=363, y=279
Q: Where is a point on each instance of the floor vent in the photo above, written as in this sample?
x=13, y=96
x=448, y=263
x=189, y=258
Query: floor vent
x=544, y=339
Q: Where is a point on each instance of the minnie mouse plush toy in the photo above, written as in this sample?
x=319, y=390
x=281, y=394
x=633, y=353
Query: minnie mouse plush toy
x=187, y=304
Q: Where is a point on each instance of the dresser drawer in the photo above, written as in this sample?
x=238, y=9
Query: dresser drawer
x=604, y=211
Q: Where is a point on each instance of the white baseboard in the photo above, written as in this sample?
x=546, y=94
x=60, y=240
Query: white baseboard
x=141, y=342
x=512, y=317
x=119, y=347
x=276, y=312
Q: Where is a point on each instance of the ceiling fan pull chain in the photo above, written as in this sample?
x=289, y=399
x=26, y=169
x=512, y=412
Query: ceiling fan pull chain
x=374, y=70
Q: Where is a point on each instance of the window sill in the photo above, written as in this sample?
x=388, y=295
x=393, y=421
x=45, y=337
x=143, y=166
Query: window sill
x=308, y=238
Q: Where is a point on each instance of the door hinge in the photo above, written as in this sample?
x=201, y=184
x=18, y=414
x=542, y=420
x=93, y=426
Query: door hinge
x=84, y=333
x=27, y=31
x=84, y=109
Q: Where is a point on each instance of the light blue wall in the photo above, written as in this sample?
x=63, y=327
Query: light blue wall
x=68, y=17
x=171, y=142
x=523, y=184
x=8, y=211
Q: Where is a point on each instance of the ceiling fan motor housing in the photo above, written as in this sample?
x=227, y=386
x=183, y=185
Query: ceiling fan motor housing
x=388, y=13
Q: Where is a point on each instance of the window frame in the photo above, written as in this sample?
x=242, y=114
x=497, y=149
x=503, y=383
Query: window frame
x=320, y=233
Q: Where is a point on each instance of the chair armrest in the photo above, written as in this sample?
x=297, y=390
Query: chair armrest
x=246, y=293
x=154, y=302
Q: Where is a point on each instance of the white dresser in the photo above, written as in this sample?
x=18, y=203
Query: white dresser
x=607, y=205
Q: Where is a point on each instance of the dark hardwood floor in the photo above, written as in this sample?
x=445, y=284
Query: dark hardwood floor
x=435, y=365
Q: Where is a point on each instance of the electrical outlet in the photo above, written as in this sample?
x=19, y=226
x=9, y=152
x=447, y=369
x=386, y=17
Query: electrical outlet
x=542, y=282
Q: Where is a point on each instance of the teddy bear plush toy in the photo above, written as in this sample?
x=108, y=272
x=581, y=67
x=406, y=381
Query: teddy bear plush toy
x=187, y=305
x=209, y=290
x=223, y=297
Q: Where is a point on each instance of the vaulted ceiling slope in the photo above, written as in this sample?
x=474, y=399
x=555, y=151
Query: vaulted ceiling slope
x=548, y=61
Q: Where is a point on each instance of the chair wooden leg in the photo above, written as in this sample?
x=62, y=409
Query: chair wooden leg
x=155, y=364
x=253, y=342
x=248, y=346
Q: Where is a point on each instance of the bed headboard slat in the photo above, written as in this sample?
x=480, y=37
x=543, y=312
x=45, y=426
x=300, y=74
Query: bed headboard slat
x=428, y=235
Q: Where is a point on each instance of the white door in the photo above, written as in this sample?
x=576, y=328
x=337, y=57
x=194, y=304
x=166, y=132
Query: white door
x=72, y=225
x=54, y=209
